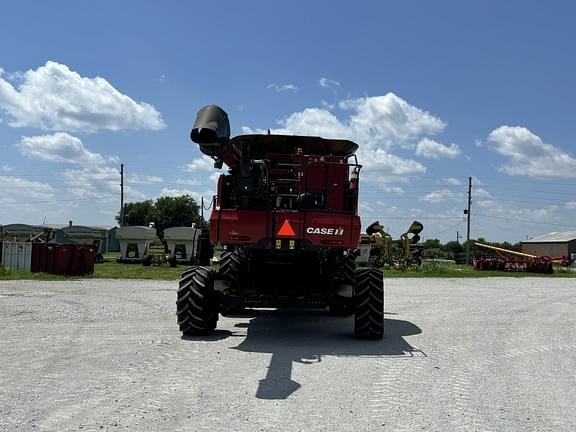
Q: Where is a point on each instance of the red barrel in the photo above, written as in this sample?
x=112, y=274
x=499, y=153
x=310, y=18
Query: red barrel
x=63, y=259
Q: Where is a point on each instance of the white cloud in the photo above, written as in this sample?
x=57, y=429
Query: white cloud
x=204, y=167
x=190, y=182
x=451, y=181
x=204, y=163
x=11, y=209
x=327, y=105
x=314, y=122
x=528, y=155
x=389, y=120
x=476, y=181
x=481, y=194
x=379, y=121
x=143, y=179
x=5, y=168
x=97, y=181
x=545, y=215
x=393, y=189
x=282, y=87
x=21, y=187
x=53, y=97
x=378, y=124
x=379, y=166
x=248, y=131
x=442, y=196
x=365, y=207
x=173, y=192
x=571, y=204
x=434, y=150
x=59, y=147
x=328, y=83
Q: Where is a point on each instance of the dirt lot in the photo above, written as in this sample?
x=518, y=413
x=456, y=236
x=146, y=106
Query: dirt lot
x=493, y=354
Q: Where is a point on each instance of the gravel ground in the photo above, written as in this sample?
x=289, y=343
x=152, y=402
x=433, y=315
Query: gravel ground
x=459, y=355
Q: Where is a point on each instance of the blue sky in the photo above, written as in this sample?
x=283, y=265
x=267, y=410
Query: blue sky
x=433, y=92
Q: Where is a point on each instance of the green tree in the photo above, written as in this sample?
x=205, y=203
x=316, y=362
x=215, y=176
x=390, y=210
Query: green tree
x=176, y=211
x=517, y=246
x=432, y=248
x=478, y=251
x=165, y=212
x=454, y=250
x=138, y=213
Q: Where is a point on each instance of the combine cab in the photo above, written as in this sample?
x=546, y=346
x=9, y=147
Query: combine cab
x=286, y=217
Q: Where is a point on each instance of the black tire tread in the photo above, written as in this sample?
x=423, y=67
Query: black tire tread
x=369, y=304
x=349, y=269
x=230, y=263
x=196, y=304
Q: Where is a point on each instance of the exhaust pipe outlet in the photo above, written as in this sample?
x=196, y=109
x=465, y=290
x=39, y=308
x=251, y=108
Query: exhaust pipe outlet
x=211, y=131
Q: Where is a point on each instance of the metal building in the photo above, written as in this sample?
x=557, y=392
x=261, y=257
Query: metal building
x=27, y=233
x=553, y=244
x=101, y=236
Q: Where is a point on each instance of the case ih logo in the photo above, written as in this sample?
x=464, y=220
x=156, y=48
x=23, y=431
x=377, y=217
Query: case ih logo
x=325, y=231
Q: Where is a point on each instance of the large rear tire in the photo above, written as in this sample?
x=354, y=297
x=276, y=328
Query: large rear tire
x=349, y=269
x=230, y=263
x=197, y=303
x=369, y=304
x=343, y=305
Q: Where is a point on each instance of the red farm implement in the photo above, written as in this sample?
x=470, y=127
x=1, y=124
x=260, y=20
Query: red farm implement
x=514, y=261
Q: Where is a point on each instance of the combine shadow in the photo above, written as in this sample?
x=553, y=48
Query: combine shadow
x=216, y=336
x=304, y=337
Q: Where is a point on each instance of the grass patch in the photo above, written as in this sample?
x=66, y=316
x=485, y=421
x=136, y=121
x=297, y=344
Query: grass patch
x=440, y=270
x=9, y=274
x=109, y=269
x=112, y=270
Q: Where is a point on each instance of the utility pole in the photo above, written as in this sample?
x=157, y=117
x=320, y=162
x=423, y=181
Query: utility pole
x=458, y=237
x=121, y=194
x=468, y=221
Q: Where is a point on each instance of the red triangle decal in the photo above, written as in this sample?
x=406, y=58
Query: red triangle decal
x=286, y=229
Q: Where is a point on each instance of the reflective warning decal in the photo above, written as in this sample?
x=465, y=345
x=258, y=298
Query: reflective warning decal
x=286, y=229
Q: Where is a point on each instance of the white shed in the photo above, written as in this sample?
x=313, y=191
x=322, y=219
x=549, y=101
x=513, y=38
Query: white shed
x=182, y=242
x=134, y=242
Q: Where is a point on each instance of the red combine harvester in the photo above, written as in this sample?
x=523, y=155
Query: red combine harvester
x=286, y=215
x=510, y=260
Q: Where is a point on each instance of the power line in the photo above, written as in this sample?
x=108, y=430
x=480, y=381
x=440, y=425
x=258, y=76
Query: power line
x=447, y=229
x=410, y=217
x=56, y=201
x=551, y=182
x=523, y=220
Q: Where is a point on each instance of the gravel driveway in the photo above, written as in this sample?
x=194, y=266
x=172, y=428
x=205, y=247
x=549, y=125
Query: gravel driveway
x=494, y=354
